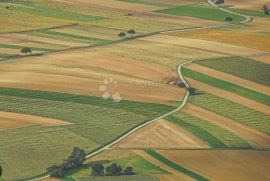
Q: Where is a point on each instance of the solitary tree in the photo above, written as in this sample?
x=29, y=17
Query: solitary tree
x=97, y=170
x=131, y=32
x=229, y=19
x=266, y=9
x=114, y=170
x=122, y=34
x=26, y=50
x=129, y=171
x=218, y=2
x=1, y=171
x=192, y=91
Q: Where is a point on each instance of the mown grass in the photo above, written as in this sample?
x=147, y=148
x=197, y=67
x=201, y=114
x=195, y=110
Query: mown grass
x=227, y=86
x=202, y=11
x=118, y=178
x=214, y=135
x=151, y=3
x=250, y=12
x=242, y=67
x=176, y=166
x=95, y=122
x=234, y=111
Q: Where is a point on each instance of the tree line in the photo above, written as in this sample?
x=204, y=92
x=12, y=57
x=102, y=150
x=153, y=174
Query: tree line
x=112, y=170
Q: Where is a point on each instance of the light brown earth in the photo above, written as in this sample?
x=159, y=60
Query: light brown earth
x=51, y=179
x=13, y=120
x=261, y=140
x=177, y=175
x=161, y=134
x=230, y=96
x=247, y=4
x=228, y=165
x=83, y=72
x=11, y=51
x=235, y=37
x=230, y=78
x=118, y=5
x=203, y=45
x=263, y=58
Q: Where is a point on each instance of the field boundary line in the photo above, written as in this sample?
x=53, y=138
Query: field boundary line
x=106, y=147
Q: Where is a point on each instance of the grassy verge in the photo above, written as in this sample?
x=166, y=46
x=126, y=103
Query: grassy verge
x=234, y=111
x=242, y=67
x=227, y=86
x=202, y=11
x=151, y=3
x=20, y=47
x=175, y=166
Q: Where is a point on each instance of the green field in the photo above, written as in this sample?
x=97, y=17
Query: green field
x=202, y=11
x=214, y=135
x=151, y=3
x=258, y=13
x=176, y=166
x=234, y=111
x=96, y=122
x=221, y=84
x=119, y=178
x=242, y=67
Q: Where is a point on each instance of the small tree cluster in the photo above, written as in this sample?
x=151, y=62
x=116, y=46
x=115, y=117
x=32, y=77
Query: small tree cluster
x=26, y=50
x=266, y=9
x=131, y=32
x=229, y=19
x=112, y=170
x=1, y=171
x=192, y=91
x=218, y=2
x=75, y=160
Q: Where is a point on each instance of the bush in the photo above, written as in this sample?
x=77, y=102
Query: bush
x=229, y=19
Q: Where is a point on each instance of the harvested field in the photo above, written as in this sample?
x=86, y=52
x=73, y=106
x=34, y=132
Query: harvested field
x=13, y=120
x=256, y=138
x=118, y=5
x=180, y=176
x=147, y=51
x=230, y=37
x=230, y=78
x=246, y=4
x=75, y=72
x=263, y=58
x=234, y=111
x=230, y=96
x=216, y=47
x=228, y=165
x=162, y=134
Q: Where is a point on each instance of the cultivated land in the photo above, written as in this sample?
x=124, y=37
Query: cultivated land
x=51, y=101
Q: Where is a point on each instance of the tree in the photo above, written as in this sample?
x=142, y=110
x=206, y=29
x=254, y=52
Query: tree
x=26, y=50
x=229, y=19
x=56, y=171
x=218, y=2
x=129, y=171
x=1, y=171
x=76, y=158
x=122, y=34
x=131, y=32
x=114, y=170
x=97, y=170
x=192, y=91
x=266, y=9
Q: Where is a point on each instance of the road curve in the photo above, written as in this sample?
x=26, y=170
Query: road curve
x=106, y=147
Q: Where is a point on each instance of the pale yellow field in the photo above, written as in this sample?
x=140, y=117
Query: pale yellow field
x=161, y=134
x=263, y=58
x=247, y=4
x=224, y=165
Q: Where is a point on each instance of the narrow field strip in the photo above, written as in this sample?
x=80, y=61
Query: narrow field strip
x=175, y=166
x=242, y=67
x=221, y=84
x=254, y=137
x=234, y=111
x=12, y=46
x=214, y=135
x=230, y=78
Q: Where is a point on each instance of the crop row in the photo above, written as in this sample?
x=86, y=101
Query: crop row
x=234, y=111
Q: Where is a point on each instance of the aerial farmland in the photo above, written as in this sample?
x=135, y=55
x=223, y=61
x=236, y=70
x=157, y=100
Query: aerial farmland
x=134, y=90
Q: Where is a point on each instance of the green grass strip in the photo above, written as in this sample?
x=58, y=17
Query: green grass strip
x=198, y=132
x=20, y=47
x=175, y=166
x=158, y=4
x=221, y=84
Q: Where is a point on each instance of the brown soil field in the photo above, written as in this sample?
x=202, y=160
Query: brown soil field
x=263, y=58
x=228, y=165
x=118, y=5
x=161, y=134
x=171, y=177
x=247, y=4
x=230, y=96
x=230, y=78
x=51, y=179
x=177, y=175
x=229, y=37
x=13, y=120
x=261, y=140
x=11, y=51
x=83, y=71
x=202, y=44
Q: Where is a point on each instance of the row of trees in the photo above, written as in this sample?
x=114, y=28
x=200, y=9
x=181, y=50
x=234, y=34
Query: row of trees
x=75, y=160
x=130, y=32
x=112, y=170
x=266, y=9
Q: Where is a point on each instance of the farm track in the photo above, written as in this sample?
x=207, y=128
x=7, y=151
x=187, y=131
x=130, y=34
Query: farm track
x=108, y=146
